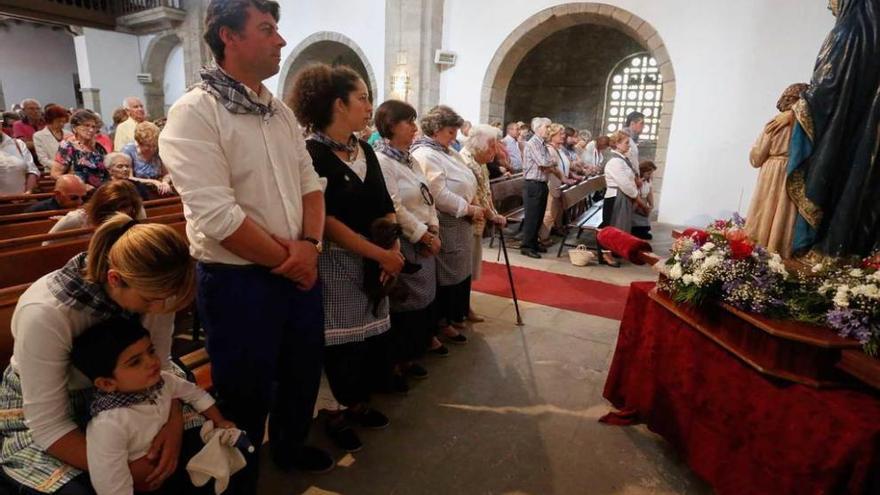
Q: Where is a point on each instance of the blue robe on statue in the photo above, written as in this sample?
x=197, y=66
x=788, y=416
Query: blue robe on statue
x=833, y=173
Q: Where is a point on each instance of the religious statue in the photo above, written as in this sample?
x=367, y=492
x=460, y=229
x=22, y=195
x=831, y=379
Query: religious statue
x=770, y=221
x=833, y=172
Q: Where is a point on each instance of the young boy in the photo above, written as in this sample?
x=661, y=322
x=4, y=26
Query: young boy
x=131, y=404
x=641, y=224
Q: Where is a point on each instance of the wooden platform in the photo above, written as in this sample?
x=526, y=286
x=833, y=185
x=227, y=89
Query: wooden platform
x=787, y=350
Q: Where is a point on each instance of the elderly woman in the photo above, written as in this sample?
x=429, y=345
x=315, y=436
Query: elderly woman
x=411, y=317
x=333, y=104
x=141, y=271
x=144, y=154
x=556, y=179
x=48, y=139
x=18, y=172
x=479, y=150
x=622, y=192
x=81, y=154
x=454, y=188
x=115, y=196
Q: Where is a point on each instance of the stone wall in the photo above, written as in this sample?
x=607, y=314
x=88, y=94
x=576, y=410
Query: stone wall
x=564, y=76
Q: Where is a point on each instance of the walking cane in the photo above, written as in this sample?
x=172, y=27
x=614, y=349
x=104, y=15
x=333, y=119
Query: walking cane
x=519, y=321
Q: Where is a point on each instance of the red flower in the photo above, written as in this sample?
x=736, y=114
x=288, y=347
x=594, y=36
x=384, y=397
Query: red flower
x=699, y=236
x=872, y=262
x=740, y=249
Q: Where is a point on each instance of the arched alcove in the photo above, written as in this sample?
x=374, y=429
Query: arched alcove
x=546, y=23
x=330, y=48
x=158, y=51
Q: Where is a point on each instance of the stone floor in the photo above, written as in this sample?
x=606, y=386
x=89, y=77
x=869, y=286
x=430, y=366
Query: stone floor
x=512, y=412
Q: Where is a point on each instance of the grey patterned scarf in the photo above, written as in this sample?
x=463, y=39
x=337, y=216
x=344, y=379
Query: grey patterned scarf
x=104, y=401
x=425, y=141
x=350, y=147
x=384, y=146
x=231, y=93
x=69, y=287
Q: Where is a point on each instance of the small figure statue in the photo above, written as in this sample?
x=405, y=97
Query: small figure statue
x=770, y=221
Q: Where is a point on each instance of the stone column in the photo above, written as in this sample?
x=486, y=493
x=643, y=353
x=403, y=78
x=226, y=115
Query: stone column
x=413, y=32
x=195, y=52
x=91, y=99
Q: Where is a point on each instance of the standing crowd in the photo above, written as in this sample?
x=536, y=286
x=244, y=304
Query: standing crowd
x=307, y=251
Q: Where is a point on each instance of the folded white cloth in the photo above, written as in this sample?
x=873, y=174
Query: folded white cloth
x=218, y=459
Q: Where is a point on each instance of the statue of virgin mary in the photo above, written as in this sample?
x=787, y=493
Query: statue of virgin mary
x=833, y=170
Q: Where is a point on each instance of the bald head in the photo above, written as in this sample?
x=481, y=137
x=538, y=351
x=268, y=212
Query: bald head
x=69, y=191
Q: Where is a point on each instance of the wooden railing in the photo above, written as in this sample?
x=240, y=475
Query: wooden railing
x=91, y=13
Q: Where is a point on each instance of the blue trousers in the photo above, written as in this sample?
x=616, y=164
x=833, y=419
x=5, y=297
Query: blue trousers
x=265, y=338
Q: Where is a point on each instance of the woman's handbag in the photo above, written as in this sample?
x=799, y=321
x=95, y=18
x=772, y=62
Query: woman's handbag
x=581, y=256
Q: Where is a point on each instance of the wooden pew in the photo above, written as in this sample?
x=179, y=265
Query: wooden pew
x=580, y=211
x=507, y=197
x=41, y=222
x=36, y=240
x=22, y=266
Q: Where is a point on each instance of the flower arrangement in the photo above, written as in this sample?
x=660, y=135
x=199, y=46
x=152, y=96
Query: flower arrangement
x=720, y=263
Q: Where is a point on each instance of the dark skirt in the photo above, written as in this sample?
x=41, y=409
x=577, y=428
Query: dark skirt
x=453, y=302
x=411, y=333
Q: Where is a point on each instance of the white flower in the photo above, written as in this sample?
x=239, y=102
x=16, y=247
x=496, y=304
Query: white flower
x=698, y=255
x=677, y=257
x=875, y=276
x=870, y=291
x=708, y=246
x=818, y=267
x=841, y=298
x=688, y=279
x=712, y=262
x=775, y=263
x=675, y=272
x=855, y=272
x=825, y=287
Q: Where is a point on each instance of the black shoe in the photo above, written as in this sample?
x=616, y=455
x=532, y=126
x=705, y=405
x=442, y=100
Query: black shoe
x=398, y=385
x=541, y=249
x=441, y=351
x=344, y=437
x=416, y=370
x=313, y=460
x=457, y=340
x=367, y=418
x=530, y=253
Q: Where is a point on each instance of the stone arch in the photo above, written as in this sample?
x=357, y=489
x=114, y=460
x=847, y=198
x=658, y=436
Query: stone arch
x=158, y=51
x=538, y=27
x=328, y=47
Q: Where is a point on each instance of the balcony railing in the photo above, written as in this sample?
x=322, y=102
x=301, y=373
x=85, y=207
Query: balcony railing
x=91, y=13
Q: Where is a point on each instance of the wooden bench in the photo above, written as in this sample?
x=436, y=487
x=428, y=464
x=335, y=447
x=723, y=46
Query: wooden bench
x=580, y=211
x=25, y=224
x=36, y=240
x=507, y=197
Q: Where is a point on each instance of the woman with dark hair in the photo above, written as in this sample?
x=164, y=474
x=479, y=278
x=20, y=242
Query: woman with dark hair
x=454, y=187
x=82, y=154
x=412, y=317
x=332, y=104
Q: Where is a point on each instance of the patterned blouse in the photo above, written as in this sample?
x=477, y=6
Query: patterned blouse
x=87, y=165
x=484, y=191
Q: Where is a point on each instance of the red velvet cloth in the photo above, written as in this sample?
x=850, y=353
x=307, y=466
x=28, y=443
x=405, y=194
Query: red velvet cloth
x=737, y=429
x=623, y=244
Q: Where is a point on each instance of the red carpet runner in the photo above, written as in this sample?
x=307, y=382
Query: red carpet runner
x=555, y=290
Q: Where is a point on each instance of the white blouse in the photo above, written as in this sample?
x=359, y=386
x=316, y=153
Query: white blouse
x=619, y=176
x=452, y=183
x=16, y=163
x=404, y=185
x=43, y=329
x=46, y=146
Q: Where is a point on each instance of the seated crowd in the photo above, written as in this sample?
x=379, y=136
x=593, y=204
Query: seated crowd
x=307, y=251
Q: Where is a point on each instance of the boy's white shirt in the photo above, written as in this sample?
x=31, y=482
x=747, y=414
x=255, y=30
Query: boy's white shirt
x=118, y=436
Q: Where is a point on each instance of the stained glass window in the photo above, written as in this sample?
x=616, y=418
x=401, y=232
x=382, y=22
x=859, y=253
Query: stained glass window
x=634, y=84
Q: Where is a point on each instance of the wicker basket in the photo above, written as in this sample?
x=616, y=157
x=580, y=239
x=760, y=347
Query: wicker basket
x=581, y=256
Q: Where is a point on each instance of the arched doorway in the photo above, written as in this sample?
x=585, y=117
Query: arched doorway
x=554, y=31
x=330, y=48
x=164, y=48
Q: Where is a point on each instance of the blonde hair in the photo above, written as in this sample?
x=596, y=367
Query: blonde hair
x=146, y=132
x=616, y=137
x=149, y=257
x=552, y=130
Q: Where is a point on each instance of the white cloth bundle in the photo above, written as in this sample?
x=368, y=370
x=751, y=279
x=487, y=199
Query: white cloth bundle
x=218, y=459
